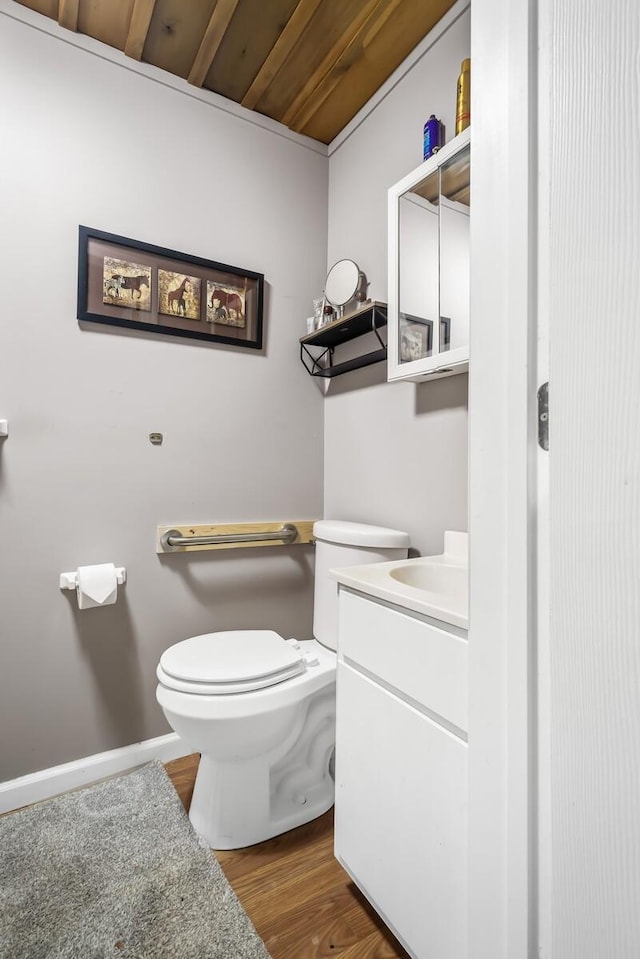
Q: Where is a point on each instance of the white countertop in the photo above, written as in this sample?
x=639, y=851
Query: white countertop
x=436, y=586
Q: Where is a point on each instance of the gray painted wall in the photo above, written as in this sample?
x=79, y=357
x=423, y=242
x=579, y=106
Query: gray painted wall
x=395, y=453
x=85, y=141
x=79, y=481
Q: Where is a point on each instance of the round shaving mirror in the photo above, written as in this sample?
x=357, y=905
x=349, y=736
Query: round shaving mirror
x=345, y=282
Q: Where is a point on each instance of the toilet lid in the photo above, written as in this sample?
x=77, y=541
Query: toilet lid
x=231, y=661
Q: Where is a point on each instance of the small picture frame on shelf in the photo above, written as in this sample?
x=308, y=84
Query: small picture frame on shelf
x=416, y=337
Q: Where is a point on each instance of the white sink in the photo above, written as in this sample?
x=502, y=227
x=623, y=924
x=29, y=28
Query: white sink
x=436, y=586
x=442, y=579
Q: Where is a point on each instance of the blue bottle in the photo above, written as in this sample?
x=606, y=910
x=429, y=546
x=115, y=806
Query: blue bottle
x=431, y=137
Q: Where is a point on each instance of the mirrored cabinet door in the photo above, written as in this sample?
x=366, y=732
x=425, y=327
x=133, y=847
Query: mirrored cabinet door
x=429, y=266
x=418, y=293
x=455, y=199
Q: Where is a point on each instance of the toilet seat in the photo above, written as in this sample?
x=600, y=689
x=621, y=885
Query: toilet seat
x=231, y=661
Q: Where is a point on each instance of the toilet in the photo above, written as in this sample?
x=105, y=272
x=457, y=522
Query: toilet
x=260, y=709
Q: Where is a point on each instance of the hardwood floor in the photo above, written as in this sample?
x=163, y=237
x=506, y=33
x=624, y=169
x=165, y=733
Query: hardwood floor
x=299, y=898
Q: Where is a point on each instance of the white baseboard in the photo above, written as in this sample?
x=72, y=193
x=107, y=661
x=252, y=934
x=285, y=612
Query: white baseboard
x=82, y=772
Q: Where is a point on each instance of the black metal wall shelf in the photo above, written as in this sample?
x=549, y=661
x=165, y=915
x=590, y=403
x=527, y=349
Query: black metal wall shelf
x=369, y=319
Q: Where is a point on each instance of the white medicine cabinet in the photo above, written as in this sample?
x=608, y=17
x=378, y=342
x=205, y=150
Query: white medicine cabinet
x=428, y=312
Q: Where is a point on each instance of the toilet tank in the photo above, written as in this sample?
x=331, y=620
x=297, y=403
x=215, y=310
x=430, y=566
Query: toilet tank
x=340, y=543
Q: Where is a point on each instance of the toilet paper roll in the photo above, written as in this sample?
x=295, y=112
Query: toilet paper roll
x=96, y=585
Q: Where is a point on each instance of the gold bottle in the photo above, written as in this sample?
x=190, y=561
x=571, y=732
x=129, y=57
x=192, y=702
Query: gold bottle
x=463, y=98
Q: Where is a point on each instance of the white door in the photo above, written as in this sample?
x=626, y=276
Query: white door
x=554, y=735
x=590, y=652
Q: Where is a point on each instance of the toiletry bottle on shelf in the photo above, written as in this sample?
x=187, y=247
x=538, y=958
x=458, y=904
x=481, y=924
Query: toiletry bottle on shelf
x=463, y=98
x=318, y=313
x=431, y=140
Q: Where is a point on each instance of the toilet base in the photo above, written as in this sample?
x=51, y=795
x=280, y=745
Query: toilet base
x=231, y=807
x=239, y=803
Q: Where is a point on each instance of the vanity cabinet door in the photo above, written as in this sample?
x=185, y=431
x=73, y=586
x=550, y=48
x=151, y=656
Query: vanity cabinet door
x=401, y=815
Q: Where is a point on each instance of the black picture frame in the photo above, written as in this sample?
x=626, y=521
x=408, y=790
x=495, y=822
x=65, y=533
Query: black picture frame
x=416, y=338
x=445, y=334
x=141, y=286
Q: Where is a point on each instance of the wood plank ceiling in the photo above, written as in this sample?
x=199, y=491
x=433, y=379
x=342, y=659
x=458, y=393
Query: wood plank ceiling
x=311, y=64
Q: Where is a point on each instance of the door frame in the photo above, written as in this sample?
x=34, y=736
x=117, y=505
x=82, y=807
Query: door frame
x=502, y=483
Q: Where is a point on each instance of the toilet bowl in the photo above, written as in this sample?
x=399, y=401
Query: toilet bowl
x=260, y=709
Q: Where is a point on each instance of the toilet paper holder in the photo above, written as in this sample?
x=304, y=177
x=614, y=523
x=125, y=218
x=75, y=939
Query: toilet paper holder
x=70, y=580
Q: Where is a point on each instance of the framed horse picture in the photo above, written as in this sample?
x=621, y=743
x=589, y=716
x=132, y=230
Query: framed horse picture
x=128, y=283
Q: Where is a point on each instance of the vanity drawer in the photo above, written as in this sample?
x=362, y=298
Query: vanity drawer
x=419, y=661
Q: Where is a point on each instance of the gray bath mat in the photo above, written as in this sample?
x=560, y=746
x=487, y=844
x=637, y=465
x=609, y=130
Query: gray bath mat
x=116, y=871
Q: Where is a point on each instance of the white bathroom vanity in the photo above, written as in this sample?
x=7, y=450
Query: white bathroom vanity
x=401, y=744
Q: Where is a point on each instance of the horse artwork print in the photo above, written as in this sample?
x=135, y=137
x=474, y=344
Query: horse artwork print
x=225, y=304
x=137, y=285
x=178, y=295
x=126, y=284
